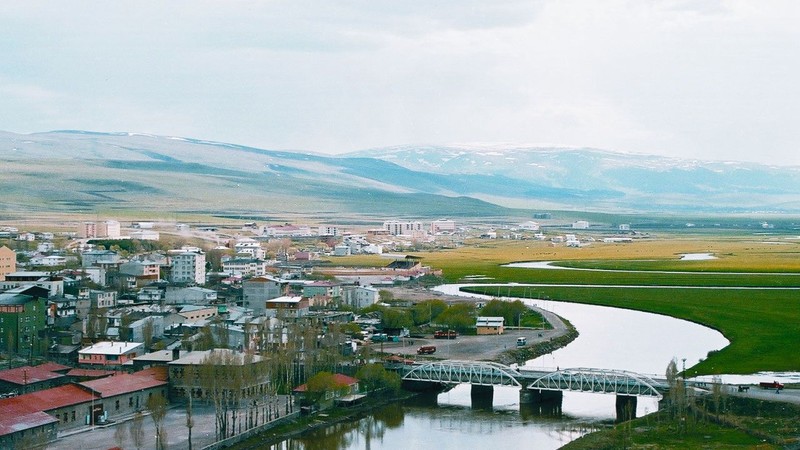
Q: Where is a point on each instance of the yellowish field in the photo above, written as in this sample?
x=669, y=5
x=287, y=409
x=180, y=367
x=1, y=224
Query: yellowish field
x=750, y=254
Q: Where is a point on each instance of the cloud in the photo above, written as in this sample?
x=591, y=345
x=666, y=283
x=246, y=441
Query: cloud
x=675, y=77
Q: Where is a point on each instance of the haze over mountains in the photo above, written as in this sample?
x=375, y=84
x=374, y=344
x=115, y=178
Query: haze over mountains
x=87, y=171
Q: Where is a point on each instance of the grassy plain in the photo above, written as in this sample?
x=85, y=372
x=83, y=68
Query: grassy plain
x=762, y=323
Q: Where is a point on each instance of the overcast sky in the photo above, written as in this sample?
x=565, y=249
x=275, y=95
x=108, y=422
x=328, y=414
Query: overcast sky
x=687, y=78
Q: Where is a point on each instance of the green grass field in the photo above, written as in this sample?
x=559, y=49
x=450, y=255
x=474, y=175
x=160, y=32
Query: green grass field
x=763, y=325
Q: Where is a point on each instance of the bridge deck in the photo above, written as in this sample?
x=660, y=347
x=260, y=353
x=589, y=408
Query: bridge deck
x=573, y=379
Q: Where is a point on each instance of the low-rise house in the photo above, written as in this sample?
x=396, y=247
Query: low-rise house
x=22, y=428
x=145, y=269
x=490, y=325
x=125, y=393
x=256, y=291
x=99, y=258
x=345, y=389
x=109, y=354
x=322, y=293
x=249, y=247
x=26, y=379
x=151, y=294
x=158, y=358
x=360, y=296
x=286, y=230
x=287, y=307
x=194, y=295
x=48, y=260
x=54, y=284
x=245, y=267
x=194, y=313
x=191, y=372
x=153, y=325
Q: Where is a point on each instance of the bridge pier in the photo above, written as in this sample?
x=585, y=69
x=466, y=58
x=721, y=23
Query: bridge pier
x=540, y=402
x=626, y=407
x=482, y=396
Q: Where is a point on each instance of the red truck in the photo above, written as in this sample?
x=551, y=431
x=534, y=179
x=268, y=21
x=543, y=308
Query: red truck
x=771, y=385
x=426, y=350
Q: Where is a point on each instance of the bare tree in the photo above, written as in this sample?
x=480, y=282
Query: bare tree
x=157, y=405
x=147, y=333
x=120, y=435
x=136, y=428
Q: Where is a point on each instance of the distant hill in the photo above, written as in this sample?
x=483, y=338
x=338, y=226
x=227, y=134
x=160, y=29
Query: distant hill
x=87, y=172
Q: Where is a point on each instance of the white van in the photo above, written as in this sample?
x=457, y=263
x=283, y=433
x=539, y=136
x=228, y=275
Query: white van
x=521, y=341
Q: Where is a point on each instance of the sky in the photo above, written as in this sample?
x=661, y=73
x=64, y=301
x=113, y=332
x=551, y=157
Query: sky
x=716, y=80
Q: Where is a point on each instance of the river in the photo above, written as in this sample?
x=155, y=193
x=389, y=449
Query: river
x=610, y=338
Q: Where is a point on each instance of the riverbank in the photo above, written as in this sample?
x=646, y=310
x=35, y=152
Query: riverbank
x=322, y=419
x=711, y=422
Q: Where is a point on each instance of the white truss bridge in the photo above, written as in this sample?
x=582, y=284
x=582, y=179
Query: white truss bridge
x=483, y=373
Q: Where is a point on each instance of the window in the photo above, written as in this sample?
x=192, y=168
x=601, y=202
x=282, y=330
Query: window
x=116, y=405
x=130, y=402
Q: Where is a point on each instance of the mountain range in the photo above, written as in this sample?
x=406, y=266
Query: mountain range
x=81, y=171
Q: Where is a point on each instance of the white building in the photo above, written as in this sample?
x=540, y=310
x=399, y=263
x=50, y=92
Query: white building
x=529, y=225
x=580, y=225
x=249, y=247
x=189, y=267
x=443, y=226
x=49, y=261
x=145, y=235
x=109, y=229
x=401, y=228
x=286, y=230
x=142, y=225
x=245, y=267
x=327, y=230
x=45, y=247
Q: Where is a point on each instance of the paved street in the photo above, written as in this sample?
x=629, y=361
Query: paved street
x=102, y=437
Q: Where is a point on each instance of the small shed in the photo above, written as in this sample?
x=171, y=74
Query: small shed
x=490, y=325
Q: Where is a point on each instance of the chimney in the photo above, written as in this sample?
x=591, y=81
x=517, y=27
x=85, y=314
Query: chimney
x=176, y=354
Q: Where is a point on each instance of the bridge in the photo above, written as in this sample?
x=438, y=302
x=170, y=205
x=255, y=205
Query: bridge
x=537, y=385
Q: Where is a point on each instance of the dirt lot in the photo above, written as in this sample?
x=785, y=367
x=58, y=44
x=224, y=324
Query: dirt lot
x=486, y=347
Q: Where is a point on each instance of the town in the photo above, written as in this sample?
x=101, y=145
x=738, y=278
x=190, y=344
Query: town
x=101, y=323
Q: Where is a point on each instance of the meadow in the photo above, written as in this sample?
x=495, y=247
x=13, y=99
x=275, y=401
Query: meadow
x=762, y=322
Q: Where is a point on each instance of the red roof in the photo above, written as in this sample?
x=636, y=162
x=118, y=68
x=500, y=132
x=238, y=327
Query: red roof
x=12, y=423
x=90, y=373
x=28, y=375
x=338, y=378
x=54, y=367
x=128, y=382
x=57, y=397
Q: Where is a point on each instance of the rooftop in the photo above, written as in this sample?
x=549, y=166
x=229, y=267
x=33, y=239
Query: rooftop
x=128, y=382
x=199, y=357
x=111, y=348
x=12, y=421
x=28, y=375
x=285, y=299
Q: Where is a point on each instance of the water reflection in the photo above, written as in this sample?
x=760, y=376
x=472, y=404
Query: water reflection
x=421, y=422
